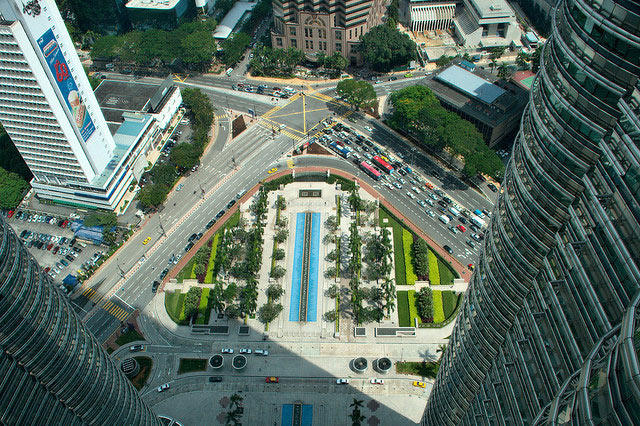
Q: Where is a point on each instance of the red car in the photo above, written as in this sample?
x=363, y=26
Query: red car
x=461, y=228
x=65, y=223
x=272, y=379
x=470, y=266
x=50, y=246
x=10, y=214
x=55, y=249
x=47, y=269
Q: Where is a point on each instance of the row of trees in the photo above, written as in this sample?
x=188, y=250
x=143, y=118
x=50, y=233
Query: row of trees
x=191, y=44
x=421, y=258
x=183, y=156
x=191, y=301
x=233, y=48
x=424, y=304
x=12, y=189
x=271, y=62
x=418, y=112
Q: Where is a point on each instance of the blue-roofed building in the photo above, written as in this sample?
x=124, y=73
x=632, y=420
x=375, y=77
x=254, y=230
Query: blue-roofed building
x=493, y=106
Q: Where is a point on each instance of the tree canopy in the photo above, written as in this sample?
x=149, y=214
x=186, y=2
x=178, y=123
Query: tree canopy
x=271, y=62
x=384, y=48
x=12, y=189
x=358, y=93
x=419, y=113
x=233, y=48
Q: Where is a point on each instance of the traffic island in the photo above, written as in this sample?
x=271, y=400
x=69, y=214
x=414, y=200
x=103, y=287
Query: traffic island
x=239, y=362
x=216, y=362
x=130, y=367
x=359, y=365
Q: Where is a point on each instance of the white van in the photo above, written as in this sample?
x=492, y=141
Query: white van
x=229, y=71
x=444, y=219
x=477, y=221
x=454, y=211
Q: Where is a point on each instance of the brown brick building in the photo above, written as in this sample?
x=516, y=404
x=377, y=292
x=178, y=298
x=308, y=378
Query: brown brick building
x=325, y=26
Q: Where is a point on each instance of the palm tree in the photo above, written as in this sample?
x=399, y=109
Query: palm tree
x=493, y=64
x=503, y=71
x=236, y=400
x=231, y=419
x=441, y=348
x=356, y=417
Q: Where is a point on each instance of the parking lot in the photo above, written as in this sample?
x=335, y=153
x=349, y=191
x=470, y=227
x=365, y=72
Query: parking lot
x=51, y=242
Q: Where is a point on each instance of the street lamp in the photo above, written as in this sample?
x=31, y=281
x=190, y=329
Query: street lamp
x=201, y=189
x=120, y=269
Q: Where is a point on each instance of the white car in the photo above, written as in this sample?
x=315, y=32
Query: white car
x=262, y=352
x=415, y=189
x=368, y=129
x=422, y=203
x=430, y=213
x=245, y=351
x=433, y=197
x=227, y=351
x=397, y=185
x=342, y=381
x=377, y=382
x=411, y=195
x=428, y=201
x=164, y=387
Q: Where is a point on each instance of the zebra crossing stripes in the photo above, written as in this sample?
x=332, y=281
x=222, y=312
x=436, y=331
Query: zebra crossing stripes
x=290, y=163
x=119, y=313
x=92, y=295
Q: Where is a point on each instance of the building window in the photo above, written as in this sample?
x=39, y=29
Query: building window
x=311, y=44
x=294, y=42
x=308, y=32
x=292, y=31
x=350, y=34
x=502, y=30
x=323, y=33
x=278, y=41
x=339, y=47
x=338, y=35
x=485, y=30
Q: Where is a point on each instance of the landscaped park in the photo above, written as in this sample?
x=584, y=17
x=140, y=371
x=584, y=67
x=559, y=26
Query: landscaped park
x=315, y=255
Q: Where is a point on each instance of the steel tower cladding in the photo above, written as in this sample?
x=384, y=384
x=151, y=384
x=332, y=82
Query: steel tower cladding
x=544, y=331
x=52, y=370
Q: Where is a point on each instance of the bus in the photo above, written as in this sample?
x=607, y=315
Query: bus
x=343, y=152
x=386, y=167
x=368, y=169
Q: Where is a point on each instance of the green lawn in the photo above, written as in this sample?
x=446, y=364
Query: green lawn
x=189, y=365
x=145, y=370
x=438, y=310
x=407, y=242
x=422, y=369
x=208, y=279
x=449, y=302
x=185, y=272
x=413, y=311
x=128, y=337
x=434, y=268
x=446, y=275
x=398, y=251
x=173, y=303
x=202, y=307
x=404, y=318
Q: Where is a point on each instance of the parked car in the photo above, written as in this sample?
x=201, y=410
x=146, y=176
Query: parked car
x=227, y=351
x=419, y=384
x=377, y=382
x=154, y=286
x=342, y=381
x=261, y=352
x=136, y=348
x=164, y=387
x=215, y=379
x=272, y=379
x=245, y=351
x=447, y=249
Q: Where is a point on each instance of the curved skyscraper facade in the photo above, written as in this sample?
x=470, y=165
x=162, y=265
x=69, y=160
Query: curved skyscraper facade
x=541, y=337
x=52, y=370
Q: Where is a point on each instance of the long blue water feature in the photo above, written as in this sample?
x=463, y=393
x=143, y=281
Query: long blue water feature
x=296, y=272
x=312, y=299
x=287, y=415
x=307, y=415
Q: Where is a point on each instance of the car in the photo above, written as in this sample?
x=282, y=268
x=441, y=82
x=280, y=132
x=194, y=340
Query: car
x=471, y=244
x=215, y=379
x=188, y=247
x=419, y=384
x=55, y=249
x=272, y=379
x=154, y=286
x=193, y=237
x=461, y=228
x=415, y=189
x=49, y=246
x=422, y=203
x=411, y=195
x=434, y=197
x=10, y=214
x=220, y=214
x=245, y=351
x=261, y=352
x=179, y=187
x=428, y=201
x=164, y=387
x=471, y=267
x=210, y=223
x=486, y=212
x=69, y=258
x=376, y=382
x=342, y=381
x=447, y=249
x=393, y=78
x=476, y=237
x=136, y=348
x=492, y=187
x=64, y=262
x=194, y=168
x=368, y=129
x=164, y=273
x=146, y=241
x=226, y=350
x=47, y=269
x=177, y=258
x=230, y=204
x=430, y=213
x=462, y=220
x=453, y=230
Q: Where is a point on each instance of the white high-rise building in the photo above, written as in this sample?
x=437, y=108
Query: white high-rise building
x=48, y=108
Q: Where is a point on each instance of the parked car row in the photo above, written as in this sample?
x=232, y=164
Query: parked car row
x=246, y=351
x=38, y=218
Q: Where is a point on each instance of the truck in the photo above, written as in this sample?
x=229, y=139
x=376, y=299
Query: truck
x=477, y=222
x=444, y=219
x=343, y=152
x=454, y=211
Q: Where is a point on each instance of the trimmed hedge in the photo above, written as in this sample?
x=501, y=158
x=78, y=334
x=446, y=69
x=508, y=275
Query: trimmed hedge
x=449, y=302
x=186, y=271
x=434, y=274
x=404, y=318
x=446, y=276
x=208, y=279
x=202, y=307
x=413, y=310
x=438, y=310
x=398, y=255
x=407, y=242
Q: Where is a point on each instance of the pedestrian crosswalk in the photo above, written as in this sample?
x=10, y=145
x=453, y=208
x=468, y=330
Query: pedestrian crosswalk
x=119, y=313
x=221, y=116
x=290, y=163
x=92, y=295
x=275, y=127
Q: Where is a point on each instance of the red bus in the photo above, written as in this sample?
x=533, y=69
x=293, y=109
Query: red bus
x=386, y=167
x=368, y=169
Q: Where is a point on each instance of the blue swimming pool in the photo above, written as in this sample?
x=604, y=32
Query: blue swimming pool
x=307, y=415
x=296, y=271
x=287, y=415
x=305, y=419
x=312, y=300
